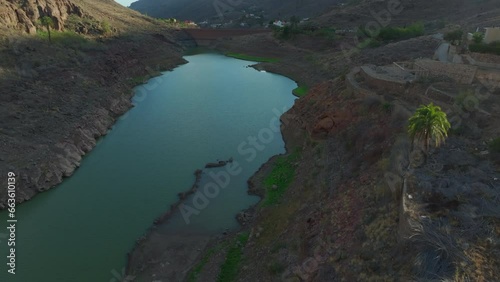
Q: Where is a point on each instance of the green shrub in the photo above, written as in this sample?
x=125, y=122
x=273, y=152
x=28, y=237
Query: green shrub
x=300, y=91
x=106, y=27
x=453, y=36
x=492, y=48
x=392, y=33
x=400, y=33
x=477, y=37
x=280, y=177
x=286, y=33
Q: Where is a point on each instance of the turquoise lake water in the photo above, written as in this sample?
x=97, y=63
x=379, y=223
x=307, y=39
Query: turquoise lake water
x=206, y=110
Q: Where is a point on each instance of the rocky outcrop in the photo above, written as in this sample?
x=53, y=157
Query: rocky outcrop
x=323, y=126
x=218, y=163
x=23, y=15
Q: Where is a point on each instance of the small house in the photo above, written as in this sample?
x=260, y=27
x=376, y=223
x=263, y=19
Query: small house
x=492, y=34
x=279, y=23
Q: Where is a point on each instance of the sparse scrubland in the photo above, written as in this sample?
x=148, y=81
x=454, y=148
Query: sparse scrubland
x=363, y=205
x=352, y=199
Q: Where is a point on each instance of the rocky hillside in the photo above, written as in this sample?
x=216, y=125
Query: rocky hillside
x=23, y=16
x=57, y=98
x=83, y=16
x=471, y=13
x=200, y=10
x=361, y=205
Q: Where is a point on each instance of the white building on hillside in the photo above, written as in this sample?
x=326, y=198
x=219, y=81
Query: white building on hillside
x=279, y=23
x=492, y=34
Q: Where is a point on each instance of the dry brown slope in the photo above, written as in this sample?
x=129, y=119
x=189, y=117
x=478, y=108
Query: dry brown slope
x=339, y=220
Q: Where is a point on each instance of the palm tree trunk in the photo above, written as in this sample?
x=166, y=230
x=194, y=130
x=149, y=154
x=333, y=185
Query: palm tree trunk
x=427, y=139
x=48, y=30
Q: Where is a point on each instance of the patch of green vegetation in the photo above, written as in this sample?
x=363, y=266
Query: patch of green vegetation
x=106, y=27
x=454, y=36
x=392, y=34
x=478, y=37
x=193, y=275
x=400, y=33
x=68, y=39
x=495, y=145
x=280, y=177
x=230, y=267
x=369, y=43
x=492, y=48
x=252, y=58
x=300, y=91
x=195, y=272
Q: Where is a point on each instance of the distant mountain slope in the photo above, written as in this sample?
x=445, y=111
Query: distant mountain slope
x=199, y=10
x=464, y=12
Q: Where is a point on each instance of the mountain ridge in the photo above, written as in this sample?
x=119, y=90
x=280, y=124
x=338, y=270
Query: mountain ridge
x=200, y=10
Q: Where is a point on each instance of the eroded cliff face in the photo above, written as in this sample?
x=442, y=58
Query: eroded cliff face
x=23, y=15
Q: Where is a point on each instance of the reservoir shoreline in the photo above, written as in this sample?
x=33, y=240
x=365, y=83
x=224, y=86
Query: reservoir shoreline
x=67, y=152
x=184, y=251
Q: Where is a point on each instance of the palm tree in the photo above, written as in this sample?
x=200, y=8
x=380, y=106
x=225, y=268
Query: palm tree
x=47, y=22
x=428, y=122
